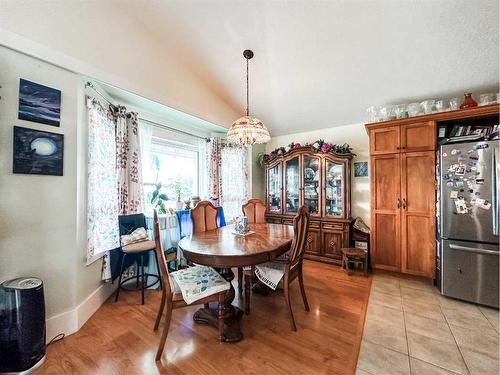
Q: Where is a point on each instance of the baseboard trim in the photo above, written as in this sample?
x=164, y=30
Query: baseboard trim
x=71, y=321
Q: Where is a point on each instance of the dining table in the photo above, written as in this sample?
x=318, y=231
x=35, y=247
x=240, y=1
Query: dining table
x=223, y=249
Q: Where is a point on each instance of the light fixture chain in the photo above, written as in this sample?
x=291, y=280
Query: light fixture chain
x=247, y=89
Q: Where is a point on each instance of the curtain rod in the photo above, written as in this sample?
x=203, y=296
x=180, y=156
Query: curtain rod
x=158, y=125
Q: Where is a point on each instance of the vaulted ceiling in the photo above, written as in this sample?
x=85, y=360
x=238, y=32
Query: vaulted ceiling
x=321, y=64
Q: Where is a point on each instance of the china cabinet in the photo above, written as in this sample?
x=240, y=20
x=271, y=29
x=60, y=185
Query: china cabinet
x=321, y=181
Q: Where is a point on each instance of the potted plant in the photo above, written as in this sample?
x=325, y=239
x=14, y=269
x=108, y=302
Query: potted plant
x=158, y=199
x=177, y=187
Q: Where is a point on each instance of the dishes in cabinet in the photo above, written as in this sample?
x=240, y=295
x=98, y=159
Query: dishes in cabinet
x=309, y=174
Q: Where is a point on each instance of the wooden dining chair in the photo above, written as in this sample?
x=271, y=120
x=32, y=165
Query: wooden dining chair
x=204, y=217
x=292, y=261
x=255, y=211
x=171, y=296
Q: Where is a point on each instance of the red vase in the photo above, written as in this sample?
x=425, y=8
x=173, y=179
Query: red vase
x=468, y=101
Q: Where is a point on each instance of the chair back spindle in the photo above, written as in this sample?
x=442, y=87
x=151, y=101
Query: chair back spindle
x=300, y=227
x=255, y=211
x=204, y=217
x=160, y=255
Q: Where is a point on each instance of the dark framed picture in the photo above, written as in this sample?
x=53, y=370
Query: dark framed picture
x=39, y=103
x=37, y=152
x=361, y=169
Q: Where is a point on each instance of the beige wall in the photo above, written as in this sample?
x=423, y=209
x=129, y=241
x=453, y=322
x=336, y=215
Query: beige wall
x=357, y=138
x=257, y=173
x=42, y=218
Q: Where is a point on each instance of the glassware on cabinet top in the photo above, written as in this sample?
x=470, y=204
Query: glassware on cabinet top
x=428, y=106
x=292, y=185
x=485, y=99
x=414, y=109
x=468, y=102
x=334, y=205
x=373, y=113
x=274, y=189
x=311, y=184
x=454, y=103
x=387, y=113
x=441, y=105
x=401, y=111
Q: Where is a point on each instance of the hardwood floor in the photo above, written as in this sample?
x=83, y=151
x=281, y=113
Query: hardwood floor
x=119, y=337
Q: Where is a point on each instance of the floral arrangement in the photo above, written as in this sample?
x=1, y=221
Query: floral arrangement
x=319, y=146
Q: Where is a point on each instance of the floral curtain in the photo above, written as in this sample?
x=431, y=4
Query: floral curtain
x=128, y=162
x=227, y=171
x=102, y=200
x=213, y=164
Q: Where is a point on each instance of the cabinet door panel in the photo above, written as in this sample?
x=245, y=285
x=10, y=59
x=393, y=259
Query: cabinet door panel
x=384, y=140
x=311, y=180
x=313, y=242
x=418, y=213
x=274, y=189
x=292, y=185
x=385, y=211
x=332, y=244
x=419, y=137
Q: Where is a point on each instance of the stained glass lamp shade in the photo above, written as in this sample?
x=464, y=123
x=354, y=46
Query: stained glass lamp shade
x=248, y=130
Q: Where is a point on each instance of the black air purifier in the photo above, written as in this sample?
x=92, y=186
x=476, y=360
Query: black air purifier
x=22, y=325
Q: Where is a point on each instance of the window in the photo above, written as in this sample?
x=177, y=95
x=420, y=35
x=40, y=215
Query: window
x=234, y=180
x=176, y=166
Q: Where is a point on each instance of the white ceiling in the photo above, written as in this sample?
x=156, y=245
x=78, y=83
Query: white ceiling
x=321, y=64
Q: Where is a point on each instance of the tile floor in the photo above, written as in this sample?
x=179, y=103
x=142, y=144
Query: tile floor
x=411, y=329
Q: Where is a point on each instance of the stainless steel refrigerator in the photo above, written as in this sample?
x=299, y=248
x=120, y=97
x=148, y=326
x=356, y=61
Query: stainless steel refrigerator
x=468, y=197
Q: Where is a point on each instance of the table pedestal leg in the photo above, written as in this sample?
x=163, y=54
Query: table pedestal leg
x=232, y=315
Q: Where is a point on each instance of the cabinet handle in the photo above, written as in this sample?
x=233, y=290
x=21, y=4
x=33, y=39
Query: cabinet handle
x=398, y=148
x=404, y=204
x=398, y=203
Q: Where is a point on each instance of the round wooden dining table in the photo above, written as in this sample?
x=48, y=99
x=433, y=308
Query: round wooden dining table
x=223, y=250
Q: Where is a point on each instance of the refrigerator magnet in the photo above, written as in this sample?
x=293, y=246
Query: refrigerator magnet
x=479, y=181
x=460, y=170
x=445, y=154
x=446, y=176
x=454, y=194
x=449, y=184
x=480, y=146
x=461, y=206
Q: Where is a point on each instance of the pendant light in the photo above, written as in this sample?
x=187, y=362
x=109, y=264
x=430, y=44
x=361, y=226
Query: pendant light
x=248, y=130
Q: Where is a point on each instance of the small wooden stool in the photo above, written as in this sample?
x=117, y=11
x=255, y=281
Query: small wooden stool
x=355, y=256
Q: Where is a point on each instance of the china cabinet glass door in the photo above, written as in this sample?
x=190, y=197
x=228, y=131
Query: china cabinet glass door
x=292, y=181
x=274, y=189
x=334, y=189
x=311, y=175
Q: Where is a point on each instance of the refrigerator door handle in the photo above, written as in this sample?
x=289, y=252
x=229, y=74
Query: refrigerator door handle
x=494, y=187
x=473, y=249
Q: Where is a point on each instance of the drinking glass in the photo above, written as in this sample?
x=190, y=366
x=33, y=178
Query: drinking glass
x=441, y=105
x=428, y=106
x=485, y=99
x=401, y=111
x=414, y=109
x=387, y=112
x=454, y=103
x=373, y=114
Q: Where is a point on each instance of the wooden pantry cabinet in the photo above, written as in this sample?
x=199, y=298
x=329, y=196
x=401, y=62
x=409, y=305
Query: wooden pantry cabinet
x=402, y=182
